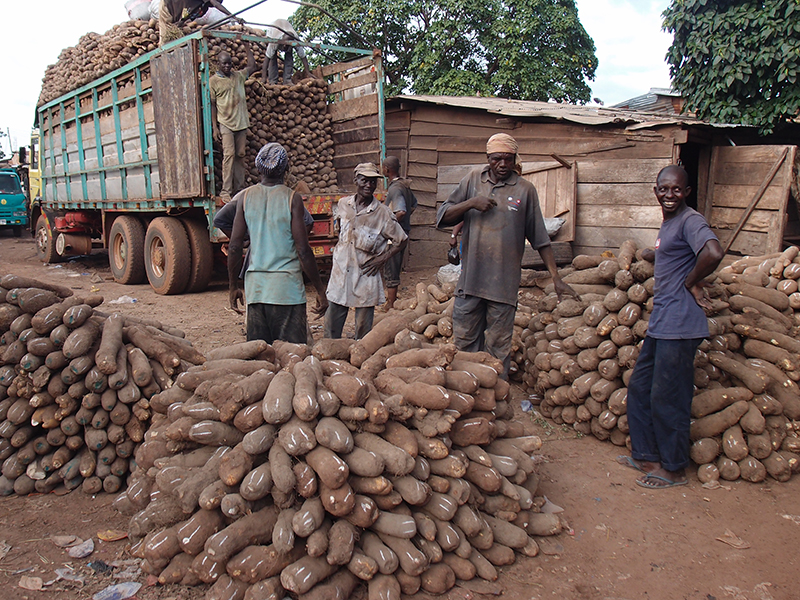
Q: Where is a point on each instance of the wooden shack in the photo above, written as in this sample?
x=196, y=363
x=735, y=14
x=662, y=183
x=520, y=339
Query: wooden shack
x=596, y=167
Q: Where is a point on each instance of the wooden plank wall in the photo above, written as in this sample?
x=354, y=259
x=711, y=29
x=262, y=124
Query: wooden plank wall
x=737, y=174
x=356, y=133
x=616, y=170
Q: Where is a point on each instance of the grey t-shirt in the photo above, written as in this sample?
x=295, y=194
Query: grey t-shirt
x=494, y=241
x=396, y=200
x=676, y=315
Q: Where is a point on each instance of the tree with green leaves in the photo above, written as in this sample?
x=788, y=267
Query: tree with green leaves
x=522, y=49
x=736, y=61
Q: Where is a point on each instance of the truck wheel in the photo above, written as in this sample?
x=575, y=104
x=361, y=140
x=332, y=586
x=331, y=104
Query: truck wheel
x=202, y=255
x=45, y=243
x=167, y=256
x=17, y=229
x=126, y=250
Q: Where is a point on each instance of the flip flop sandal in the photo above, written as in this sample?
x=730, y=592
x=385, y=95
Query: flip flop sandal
x=627, y=461
x=646, y=483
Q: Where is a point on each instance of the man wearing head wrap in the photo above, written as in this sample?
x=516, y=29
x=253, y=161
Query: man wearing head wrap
x=272, y=215
x=500, y=210
x=230, y=119
x=369, y=235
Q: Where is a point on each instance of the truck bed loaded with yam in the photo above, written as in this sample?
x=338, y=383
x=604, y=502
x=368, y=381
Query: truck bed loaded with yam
x=128, y=159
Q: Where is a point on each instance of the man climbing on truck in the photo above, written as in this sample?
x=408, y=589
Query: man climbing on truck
x=230, y=119
x=172, y=14
x=282, y=30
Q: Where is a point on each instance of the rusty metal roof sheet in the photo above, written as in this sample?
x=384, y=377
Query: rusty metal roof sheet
x=583, y=115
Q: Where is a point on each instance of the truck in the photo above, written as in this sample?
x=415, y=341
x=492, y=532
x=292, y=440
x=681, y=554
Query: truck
x=13, y=201
x=127, y=161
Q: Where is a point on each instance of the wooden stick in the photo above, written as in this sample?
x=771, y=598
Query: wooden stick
x=751, y=207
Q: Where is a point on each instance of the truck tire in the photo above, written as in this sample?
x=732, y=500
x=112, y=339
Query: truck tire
x=202, y=255
x=45, y=243
x=126, y=250
x=167, y=256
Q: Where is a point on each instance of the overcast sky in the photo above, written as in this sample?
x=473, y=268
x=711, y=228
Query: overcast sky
x=627, y=33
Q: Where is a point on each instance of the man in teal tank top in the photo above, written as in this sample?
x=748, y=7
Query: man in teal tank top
x=272, y=215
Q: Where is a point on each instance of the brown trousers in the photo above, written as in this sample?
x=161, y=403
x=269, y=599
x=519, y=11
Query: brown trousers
x=234, y=147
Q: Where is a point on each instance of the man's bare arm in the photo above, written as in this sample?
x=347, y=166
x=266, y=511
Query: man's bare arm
x=307, y=261
x=455, y=212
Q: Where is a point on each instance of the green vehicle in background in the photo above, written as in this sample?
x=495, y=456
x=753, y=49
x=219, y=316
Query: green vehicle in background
x=13, y=201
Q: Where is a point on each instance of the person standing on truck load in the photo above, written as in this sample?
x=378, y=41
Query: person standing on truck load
x=402, y=202
x=172, y=14
x=661, y=388
x=230, y=119
x=500, y=210
x=281, y=29
x=369, y=236
x=272, y=215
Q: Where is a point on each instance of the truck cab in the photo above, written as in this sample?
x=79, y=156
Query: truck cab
x=13, y=201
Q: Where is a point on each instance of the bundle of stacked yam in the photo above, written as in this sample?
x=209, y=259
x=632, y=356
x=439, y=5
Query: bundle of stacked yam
x=580, y=356
x=275, y=470
x=96, y=55
x=296, y=117
x=292, y=115
x=75, y=386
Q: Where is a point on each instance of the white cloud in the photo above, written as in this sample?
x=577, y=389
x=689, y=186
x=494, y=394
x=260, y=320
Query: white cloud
x=630, y=46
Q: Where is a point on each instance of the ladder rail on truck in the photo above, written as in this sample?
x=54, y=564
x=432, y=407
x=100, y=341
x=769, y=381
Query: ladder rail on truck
x=127, y=164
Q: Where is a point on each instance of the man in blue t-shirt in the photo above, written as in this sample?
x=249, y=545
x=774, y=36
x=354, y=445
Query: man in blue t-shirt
x=661, y=387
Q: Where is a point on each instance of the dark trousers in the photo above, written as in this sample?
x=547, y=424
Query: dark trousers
x=480, y=324
x=288, y=65
x=337, y=315
x=270, y=322
x=391, y=270
x=660, y=402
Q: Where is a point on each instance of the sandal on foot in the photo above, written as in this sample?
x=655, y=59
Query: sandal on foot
x=660, y=482
x=627, y=461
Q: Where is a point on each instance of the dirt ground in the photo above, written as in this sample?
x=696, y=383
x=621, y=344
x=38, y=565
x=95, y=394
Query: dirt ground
x=624, y=542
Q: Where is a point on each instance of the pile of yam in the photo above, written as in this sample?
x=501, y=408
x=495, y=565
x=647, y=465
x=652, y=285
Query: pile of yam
x=580, y=354
x=295, y=116
x=75, y=387
x=389, y=462
x=96, y=55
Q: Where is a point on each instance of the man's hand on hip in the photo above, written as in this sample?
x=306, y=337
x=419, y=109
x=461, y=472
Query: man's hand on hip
x=373, y=265
x=700, y=294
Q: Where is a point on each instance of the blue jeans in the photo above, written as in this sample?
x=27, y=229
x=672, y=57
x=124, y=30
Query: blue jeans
x=660, y=402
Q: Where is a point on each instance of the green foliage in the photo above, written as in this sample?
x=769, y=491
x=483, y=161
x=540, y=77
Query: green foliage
x=523, y=49
x=736, y=61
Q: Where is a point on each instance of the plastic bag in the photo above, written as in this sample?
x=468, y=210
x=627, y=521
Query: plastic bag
x=449, y=274
x=553, y=226
x=138, y=9
x=454, y=256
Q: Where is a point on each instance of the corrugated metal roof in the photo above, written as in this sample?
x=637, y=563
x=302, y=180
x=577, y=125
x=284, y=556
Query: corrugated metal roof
x=583, y=115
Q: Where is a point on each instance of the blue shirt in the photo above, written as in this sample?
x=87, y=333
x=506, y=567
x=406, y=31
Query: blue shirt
x=676, y=315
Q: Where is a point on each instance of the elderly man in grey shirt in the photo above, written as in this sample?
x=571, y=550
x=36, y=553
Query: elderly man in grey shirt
x=500, y=210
